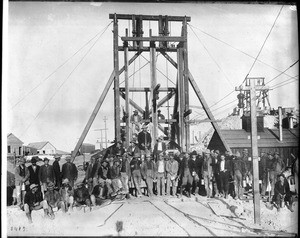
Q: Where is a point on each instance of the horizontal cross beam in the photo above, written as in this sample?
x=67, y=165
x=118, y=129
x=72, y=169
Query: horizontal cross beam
x=155, y=38
x=148, y=17
x=146, y=89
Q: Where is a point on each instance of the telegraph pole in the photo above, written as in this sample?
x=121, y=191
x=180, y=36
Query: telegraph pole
x=105, y=119
x=252, y=87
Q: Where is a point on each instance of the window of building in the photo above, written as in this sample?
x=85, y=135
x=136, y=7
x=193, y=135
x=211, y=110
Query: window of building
x=20, y=150
x=44, y=152
x=8, y=149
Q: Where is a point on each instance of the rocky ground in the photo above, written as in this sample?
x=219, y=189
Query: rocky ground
x=159, y=216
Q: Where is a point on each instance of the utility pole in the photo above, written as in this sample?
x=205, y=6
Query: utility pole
x=101, y=139
x=252, y=87
x=105, y=119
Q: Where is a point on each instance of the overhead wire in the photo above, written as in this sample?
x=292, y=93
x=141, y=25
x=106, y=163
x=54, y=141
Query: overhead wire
x=231, y=46
x=65, y=80
x=285, y=82
x=282, y=72
x=261, y=48
x=210, y=55
x=60, y=66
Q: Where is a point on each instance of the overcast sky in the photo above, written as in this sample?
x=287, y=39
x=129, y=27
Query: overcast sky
x=41, y=36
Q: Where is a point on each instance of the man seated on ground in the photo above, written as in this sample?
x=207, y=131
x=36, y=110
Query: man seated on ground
x=116, y=177
x=33, y=201
x=282, y=194
x=67, y=195
x=52, y=199
x=82, y=196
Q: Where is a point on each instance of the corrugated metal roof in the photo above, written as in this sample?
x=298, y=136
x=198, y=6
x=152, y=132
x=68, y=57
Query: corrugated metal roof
x=268, y=138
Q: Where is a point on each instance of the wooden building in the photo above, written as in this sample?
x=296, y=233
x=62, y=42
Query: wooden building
x=14, y=146
x=44, y=148
x=268, y=141
x=87, y=148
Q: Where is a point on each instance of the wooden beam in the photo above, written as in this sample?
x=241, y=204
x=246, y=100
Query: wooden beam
x=207, y=110
x=148, y=17
x=164, y=100
x=116, y=81
x=147, y=89
x=202, y=101
x=132, y=103
x=146, y=48
x=155, y=38
x=153, y=85
x=126, y=63
x=93, y=115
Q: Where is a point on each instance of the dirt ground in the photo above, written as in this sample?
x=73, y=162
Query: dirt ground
x=158, y=216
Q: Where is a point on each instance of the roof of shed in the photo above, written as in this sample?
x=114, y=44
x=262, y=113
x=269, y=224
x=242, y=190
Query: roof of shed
x=269, y=138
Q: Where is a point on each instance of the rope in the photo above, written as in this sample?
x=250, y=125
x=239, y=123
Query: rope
x=286, y=83
x=60, y=66
x=61, y=85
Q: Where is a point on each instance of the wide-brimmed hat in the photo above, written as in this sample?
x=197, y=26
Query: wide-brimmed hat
x=135, y=110
x=68, y=158
x=193, y=153
x=217, y=151
x=207, y=151
x=144, y=126
x=65, y=181
x=237, y=154
x=57, y=156
x=34, y=159
x=22, y=160
x=46, y=159
x=32, y=186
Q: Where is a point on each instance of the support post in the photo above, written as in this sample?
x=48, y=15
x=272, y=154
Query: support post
x=254, y=146
x=153, y=85
x=280, y=123
x=181, y=98
x=127, y=138
x=93, y=116
x=116, y=82
x=186, y=82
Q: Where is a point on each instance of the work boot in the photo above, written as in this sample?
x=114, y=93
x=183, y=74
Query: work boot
x=290, y=207
x=197, y=191
x=174, y=191
x=29, y=217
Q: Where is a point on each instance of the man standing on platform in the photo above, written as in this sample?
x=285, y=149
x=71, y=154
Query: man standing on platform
x=56, y=168
x=144, y=139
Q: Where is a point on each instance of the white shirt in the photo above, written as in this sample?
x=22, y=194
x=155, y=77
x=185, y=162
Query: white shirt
x=160, y=168
x=159, y=146
x=222, y=165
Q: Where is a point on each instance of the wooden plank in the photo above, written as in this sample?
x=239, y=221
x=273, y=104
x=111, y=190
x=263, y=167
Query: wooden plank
x=153, y=85
x=148, y=89
x=126, y=63
x=132, y=103
x=155, y=38
x=148, y=17
x=147, y=49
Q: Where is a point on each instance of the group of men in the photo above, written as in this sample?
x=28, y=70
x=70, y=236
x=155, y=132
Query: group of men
x=182, y=173
x=46, y=186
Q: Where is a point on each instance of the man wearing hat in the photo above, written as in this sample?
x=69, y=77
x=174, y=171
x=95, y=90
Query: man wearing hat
x=135, y=121
x=135, y=166
x=67, y=195
x=282, y=194
x=239, y=169
x=69, y=171
x=82, y=196
x=57, y=172
x=172, y=171
x=21, y=181
x=207, y=173
x=118, y=149
x=52, y=199
x=46, y=174
x=33, y=201
x=216, y=172
x=144, y=139
x=249, y=168
x=125, y=173
x=195, y=165
x=160, y=146
x=133, y=148
x=263, y=172
x=34, y=171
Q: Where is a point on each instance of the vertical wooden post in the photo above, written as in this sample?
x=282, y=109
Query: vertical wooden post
x=127, y=136
x=280, y=122
x=153, y=85
x=254, y=146
x=181, y=98
x=186, y=83
x=116, y=82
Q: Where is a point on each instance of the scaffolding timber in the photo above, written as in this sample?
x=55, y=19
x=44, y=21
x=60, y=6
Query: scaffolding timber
x=163, y=43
